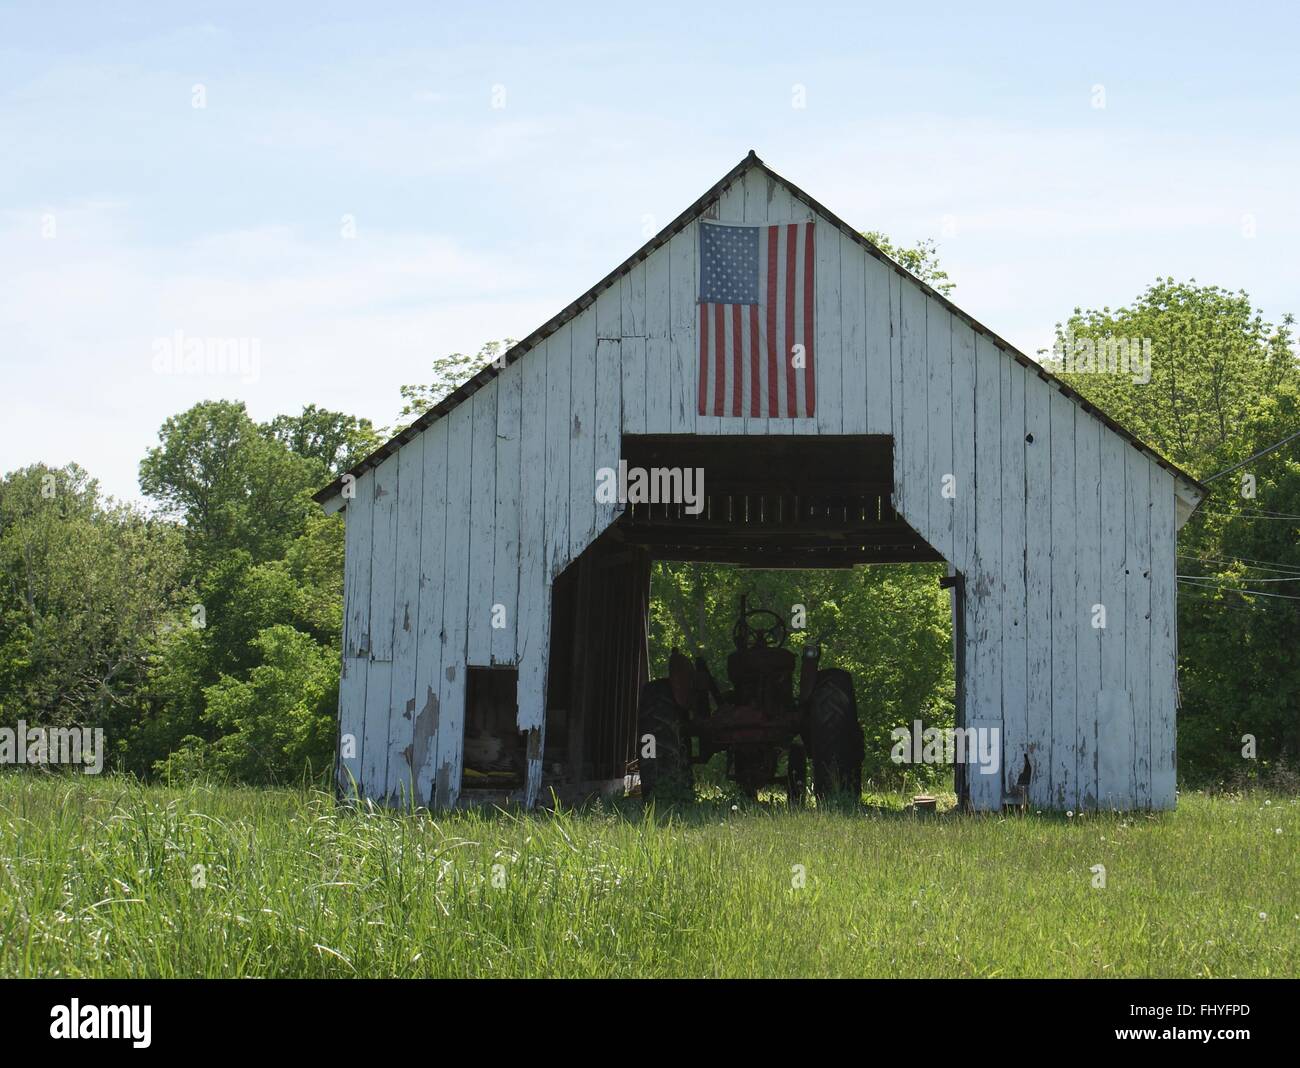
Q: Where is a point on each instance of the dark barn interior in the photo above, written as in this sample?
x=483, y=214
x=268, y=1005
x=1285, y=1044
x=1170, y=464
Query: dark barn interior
x=768, y=502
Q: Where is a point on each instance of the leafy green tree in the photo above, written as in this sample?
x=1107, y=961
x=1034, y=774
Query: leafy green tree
x=87, y=586
x=449, y=371
x=922, y=260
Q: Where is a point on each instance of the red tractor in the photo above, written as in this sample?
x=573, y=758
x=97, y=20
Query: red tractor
x=755, y=720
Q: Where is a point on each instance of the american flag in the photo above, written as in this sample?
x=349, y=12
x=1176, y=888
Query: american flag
x=756, y=307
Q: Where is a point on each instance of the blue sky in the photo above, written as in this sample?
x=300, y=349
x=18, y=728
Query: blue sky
x=127, y=213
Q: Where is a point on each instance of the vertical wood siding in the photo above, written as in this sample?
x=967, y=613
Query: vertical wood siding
x=1043, y=510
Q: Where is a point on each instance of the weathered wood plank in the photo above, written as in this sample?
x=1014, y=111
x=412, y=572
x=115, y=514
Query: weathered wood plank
x=896, y=391
x=1137, y=616
x=828, y=338
x=1015, y=686
x=505, y=561
x=658, y=399
x=1038, y=587
x=632, y=298
x=608, y=421
x=400, y=780
x=455, y=606
x=383, y=578
x=359, y=539
x=559, y=418
x=634, y=394
x=582, y=436
x=352, y=720
x=482, y=518
x=940, y=503
x=1092, y=611
x=963, y=446
x=1067, y=607
x=853, y=334
x=1115, y=714
x=534, y=574
x=1163, y=639
x=914, y=443
x=684, y=382
x=428, y=663
x=984, y=585
x=877, y=325
x=609, y=313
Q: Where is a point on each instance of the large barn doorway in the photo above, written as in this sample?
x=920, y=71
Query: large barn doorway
x=794, y=505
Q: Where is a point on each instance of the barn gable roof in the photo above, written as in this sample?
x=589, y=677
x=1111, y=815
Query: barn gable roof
x=691, y=214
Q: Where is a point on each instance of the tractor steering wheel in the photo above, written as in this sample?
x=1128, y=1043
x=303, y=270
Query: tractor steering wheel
x=772, y=636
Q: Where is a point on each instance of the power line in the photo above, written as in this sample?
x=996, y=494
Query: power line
x=1251, y=515
x=1233, y=589
x=1248, y=561
x=1248, y=459
x=1251, y=578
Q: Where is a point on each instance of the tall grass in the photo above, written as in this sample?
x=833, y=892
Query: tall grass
x=104, y=877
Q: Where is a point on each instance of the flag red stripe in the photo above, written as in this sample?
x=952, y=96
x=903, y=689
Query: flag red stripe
x=754, y=356
x=719, y=358
x=704, y=358
x=737, y=363
x=810, y=386
x=772, y=340
x=791, y=259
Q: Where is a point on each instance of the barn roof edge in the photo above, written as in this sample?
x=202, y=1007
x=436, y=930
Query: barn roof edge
x=701, y=204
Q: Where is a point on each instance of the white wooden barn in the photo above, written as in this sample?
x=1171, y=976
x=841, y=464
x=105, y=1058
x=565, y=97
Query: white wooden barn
x=493, y=604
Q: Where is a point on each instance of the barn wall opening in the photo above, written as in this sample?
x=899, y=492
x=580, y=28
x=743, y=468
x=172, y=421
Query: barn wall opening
x=495, y=753
x=774, y=516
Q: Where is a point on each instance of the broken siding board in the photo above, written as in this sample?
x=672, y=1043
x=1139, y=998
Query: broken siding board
x=983, y=585
x=608, y=419
x=1137, y=616
x=1163, y=652
x=558, y=422
x=1015, y=701
x=853, y=333
x=482, y=531
x=400, y=779
x=505, y=562
x=534, y=576
x=684, y=362
x=582, y=436
x=938, y=359
x=455, y=604
x=428, y=661
x=1087, y=481
x=877, y=342
x=1066, y=606
x=1038, y=586
x=632, y=298
x=1114, y=713
x=827, y=353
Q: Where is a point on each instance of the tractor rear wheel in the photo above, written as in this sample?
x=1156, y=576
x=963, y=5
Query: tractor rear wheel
x=660, y=723
x=835, y=736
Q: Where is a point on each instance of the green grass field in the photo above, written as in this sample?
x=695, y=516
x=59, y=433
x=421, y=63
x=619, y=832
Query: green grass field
x=99, y=878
